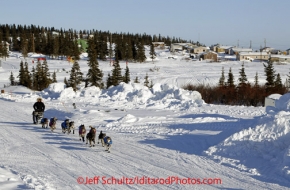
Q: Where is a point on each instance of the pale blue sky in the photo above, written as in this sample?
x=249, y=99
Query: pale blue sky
x=227, y=22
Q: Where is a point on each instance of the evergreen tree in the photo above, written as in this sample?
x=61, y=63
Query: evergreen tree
x=12, y=79
x=54, y=77
x=21, y=74
x=146, y=82
x=27, y=77
x=109, y=81
x=46, y=81
x=152, y=52
x=127, y=75
x=270, y=75
x=222, y=78
x=38, y=75
x=141, y=52
x=117, y=77
x=256, y=83
x=230, y=82
x=94, y=75
x=243, y=77
x=34, y=79
x=151, y=84
x=278, y=82
x=136, y=80
x=65, y=82
x=134, y=50
x=76, y=76
x=55, y=51
x=24, y=45
x=128, y=51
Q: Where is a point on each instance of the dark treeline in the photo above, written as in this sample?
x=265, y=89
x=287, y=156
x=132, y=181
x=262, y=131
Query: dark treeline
x=63, y=44
x=244, y=93
x=60, y=43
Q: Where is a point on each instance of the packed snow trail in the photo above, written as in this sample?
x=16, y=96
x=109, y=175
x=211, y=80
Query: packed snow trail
x=45, y=160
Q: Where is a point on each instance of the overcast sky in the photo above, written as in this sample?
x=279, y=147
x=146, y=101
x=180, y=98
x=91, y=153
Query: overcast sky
x=227, y=22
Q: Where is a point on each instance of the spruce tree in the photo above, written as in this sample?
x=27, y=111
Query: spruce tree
x=256, y=83
x=46, y=81
x=146, y=82
x=24, y=45
x=76, y=76
x=136, y=80
x=54, y=77
x=128, y=51
x=65, y=82
x=278, y=82
x=151, y=84
x=27, y=76
x=127, y=75
x=243, y=77
x=12, y=79
x=270, y=75
x=222, y=78
x=117, y=77
x=109, y=81
x=152, y=52
x=34, y=79
x=21, y=74
x=38, y=76
x=141, y=57
x=94, y=75
x=230, y=82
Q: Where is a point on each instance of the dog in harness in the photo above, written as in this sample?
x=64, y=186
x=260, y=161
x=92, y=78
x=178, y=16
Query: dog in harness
x=91, y=136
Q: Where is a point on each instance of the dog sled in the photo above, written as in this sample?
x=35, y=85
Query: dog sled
x=38, y=116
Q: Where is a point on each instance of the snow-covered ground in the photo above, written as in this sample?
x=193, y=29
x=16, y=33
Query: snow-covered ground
x=163, y=133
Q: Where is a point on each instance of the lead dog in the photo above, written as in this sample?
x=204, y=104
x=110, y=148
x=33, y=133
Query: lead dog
x=101, y=138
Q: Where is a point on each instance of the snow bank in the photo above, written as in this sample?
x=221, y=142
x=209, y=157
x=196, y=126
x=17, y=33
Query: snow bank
x=160, y=96
x=268, y=139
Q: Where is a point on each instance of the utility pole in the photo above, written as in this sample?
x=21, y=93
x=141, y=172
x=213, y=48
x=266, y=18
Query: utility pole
x=265, y=41
x=250, y=43
x=260, y=53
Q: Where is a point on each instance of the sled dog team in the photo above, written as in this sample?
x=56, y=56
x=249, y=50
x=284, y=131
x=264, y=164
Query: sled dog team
x=68, y=126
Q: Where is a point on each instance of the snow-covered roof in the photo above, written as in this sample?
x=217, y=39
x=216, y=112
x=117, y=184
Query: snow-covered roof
x=280, y=56
x=253, y=53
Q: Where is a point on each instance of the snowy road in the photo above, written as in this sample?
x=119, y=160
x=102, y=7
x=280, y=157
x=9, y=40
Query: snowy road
x=46, y=160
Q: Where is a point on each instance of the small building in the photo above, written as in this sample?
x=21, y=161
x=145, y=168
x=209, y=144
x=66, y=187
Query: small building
x=244, y=56
x=280, y=59
x=175, y=47
x=210, y=56
x=199, y=49
x=159, y=45
x=236, y=51
x=267, y=49
x=219, y=48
